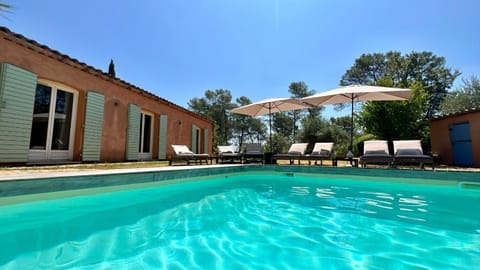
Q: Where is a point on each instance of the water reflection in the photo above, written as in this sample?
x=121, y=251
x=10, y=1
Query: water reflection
x=381, y=204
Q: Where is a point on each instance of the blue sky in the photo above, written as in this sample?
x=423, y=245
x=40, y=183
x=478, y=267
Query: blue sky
x=177, y=49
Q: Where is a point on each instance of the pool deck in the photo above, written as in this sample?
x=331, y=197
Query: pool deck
x=46, y=172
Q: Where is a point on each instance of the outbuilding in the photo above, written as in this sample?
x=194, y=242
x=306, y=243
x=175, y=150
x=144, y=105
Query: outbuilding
x=54, y=108
x=456, y=138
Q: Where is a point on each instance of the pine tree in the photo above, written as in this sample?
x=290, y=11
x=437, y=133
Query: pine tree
x=111, y=69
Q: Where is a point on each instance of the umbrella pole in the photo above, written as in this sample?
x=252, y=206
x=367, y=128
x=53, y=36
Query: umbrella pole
x=294, y=122
x=270, y=124
x=351, y=130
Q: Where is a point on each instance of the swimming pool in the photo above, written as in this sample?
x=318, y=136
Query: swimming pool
x=255, y=220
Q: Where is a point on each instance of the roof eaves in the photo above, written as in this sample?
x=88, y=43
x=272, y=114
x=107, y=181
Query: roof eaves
x=65, y=59
x=459, y=113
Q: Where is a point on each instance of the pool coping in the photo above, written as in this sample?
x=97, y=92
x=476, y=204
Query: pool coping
x=34, y=183
x=87, y=172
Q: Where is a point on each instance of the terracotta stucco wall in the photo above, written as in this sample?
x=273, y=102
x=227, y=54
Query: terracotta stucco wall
x=117, y=97
x=440, y=136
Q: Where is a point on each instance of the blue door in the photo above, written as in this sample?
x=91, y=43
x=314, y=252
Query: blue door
x=461, y=144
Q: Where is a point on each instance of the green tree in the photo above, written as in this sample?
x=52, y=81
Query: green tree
x=287, y=123
x=279, y=144
x=404, y=70
x=338, y=131
x=111, y=69
x=283, y=124
x=246, y=129
x=229, y=128
x=317, y=129
x=215, y=106
x=422, y=71
x=466, y=97
x=393, y=120
x=311, y=130
x=300, y=90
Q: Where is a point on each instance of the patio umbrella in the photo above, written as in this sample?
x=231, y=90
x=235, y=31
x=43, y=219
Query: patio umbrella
x=269, y=106
x=354, y=93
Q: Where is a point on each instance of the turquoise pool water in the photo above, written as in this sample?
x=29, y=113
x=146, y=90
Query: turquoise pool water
x=252, y=221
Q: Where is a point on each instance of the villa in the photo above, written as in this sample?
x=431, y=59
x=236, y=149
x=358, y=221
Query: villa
x=54, y=108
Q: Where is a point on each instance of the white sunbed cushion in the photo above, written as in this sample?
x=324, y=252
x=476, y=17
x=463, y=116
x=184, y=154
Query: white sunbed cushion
x=322, y=149
x=225, y=149
x=181, y=150
x=298, y=148
x=409, y=152
x=375, y=147
x=408, y=147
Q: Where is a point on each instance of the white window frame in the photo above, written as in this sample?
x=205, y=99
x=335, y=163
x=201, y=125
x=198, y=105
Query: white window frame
x=48, y=153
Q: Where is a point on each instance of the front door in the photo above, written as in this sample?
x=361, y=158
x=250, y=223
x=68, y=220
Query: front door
x=461, y=144
x=53, y=126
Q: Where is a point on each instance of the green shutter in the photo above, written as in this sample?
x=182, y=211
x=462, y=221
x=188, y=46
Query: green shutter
x=205, y=141
x=133, y=132
x=92, y=133
x=17, y=98
x=194, y=139
x=162, y=137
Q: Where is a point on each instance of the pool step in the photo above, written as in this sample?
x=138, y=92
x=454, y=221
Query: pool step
x=470, y=185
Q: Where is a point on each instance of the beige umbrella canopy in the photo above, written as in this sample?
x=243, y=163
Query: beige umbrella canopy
x=269, y=106
x=354, y=93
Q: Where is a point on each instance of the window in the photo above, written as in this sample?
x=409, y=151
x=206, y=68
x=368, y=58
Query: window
x=197, y=141
x=52, y=123
x=146, y=134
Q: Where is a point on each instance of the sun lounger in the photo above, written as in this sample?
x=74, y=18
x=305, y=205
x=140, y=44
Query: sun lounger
x=321, y=151
x=253, y=153
x=183, y=153
x=226, y=154
x=409, y=152
x=295, y=152
x=375, y=152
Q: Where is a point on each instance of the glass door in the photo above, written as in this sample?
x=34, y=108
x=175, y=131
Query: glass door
x=52, y=126
x=41, y=112
x=62, y=121
x=146, y=134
